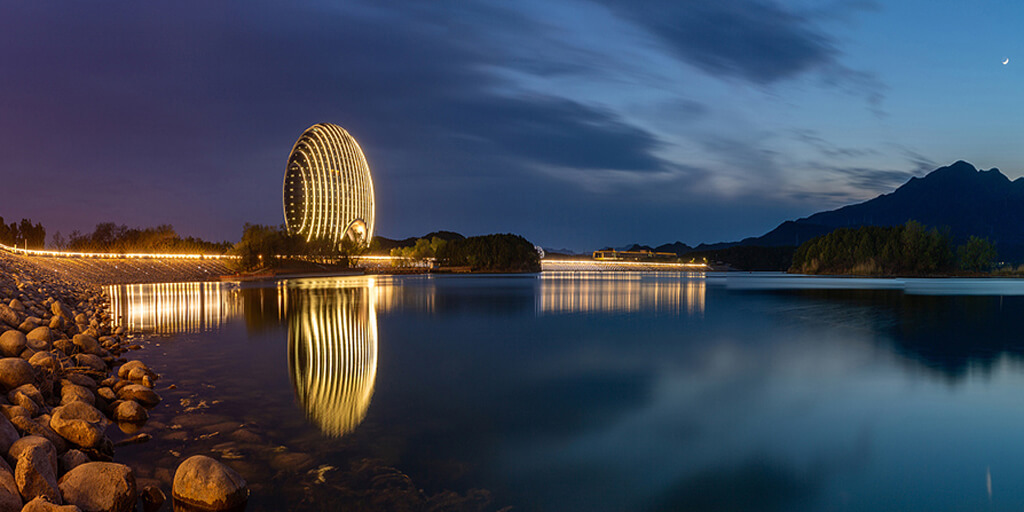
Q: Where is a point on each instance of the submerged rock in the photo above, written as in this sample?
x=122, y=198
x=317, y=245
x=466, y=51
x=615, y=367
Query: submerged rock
x=152, y=498
x=140, y=394
x=201, y=481
x=130, y=411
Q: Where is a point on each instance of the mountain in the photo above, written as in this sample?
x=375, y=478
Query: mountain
x=958, y=197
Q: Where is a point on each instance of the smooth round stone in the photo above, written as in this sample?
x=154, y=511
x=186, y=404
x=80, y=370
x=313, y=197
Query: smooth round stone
x=40, y=334
x=105, y=486
x=12, y=343
x=14, y=372
x=130, y=411
x=201, y=481
x=139, y=393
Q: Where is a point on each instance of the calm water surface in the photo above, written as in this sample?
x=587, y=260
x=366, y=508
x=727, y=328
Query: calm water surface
x=596, y=391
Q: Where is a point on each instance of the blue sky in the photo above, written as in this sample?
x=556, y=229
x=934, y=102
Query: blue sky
x=575, y=123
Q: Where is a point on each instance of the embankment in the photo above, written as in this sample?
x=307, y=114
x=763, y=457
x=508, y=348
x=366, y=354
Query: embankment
x=103, y=271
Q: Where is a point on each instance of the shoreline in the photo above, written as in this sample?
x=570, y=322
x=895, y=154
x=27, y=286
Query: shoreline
x=67, y=382
x=177, y=425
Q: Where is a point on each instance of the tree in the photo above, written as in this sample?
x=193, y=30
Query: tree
x=259, y=246
x=976, y=255
x=58, y=242
x=500, y=253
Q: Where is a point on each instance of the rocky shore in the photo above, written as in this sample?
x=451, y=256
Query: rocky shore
x=64, y=380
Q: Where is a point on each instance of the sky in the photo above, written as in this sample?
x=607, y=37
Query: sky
x=577, y=124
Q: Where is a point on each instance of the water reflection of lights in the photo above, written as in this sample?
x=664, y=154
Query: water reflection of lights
x=608, y=292
x=170, y=308
x=391, y=294
x=332, y=350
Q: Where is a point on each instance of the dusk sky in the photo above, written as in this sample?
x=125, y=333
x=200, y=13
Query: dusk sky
x=576, y=124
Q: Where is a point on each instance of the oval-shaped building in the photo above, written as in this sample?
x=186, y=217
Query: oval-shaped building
x=328, y=191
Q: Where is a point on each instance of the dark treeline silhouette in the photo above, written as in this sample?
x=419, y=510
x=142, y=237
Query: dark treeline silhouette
x=109, y=237
x=266, y=247
x=498, y=253
x=748, y=257
x=910, y=249
x=23, y=234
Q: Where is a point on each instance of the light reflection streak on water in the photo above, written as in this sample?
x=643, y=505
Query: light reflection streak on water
x=625, y=292
x=390, y=295
x=169, y=308
x=332, y=351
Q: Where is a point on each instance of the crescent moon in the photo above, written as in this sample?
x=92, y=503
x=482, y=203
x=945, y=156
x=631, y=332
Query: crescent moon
x=1007, y=61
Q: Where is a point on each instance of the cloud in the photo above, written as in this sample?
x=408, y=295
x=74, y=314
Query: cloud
x=869, y=179
x=758, y=41
x=754, y=40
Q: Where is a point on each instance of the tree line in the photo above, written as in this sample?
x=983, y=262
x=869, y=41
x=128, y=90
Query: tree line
x=910, y=249
x=488, y=253
x=23, y=234
x=109, y=237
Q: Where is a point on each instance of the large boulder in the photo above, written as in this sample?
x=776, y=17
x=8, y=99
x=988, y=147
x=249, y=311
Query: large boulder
x=130, y=411
x=41, y=504
x=14, y=372
x=201, y=481
x=29, y=427
x=80, y=423
x=33, y=441
x=58, y=308
x=79, y=380
x=8, y=434
x=90, y=361
x=87, y=344
x=40, y=338
x=12, y=343
x=9, y=316
x=71, y=459
x=45, y=362
x=73, y=392
x=10, y=498
x=36, y=476
x=57, y=323
x=127, y=368
x=27, y=397
x=140, y=394
x=100, y=486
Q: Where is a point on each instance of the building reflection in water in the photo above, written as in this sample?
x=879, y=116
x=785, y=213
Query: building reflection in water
x=621, y=292
x=332, y=332
x=332, y=349
x=169, y=308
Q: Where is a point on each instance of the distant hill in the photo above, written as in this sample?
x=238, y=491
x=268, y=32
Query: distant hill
x=958, y=197
x=383, y=245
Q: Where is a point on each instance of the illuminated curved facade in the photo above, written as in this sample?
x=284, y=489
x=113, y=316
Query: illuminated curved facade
x=328, y=191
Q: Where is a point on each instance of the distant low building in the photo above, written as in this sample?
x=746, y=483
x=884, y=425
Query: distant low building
x=328, y=191
x=614, y=255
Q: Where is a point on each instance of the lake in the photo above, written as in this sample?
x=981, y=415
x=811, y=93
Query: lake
x=591, y=391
